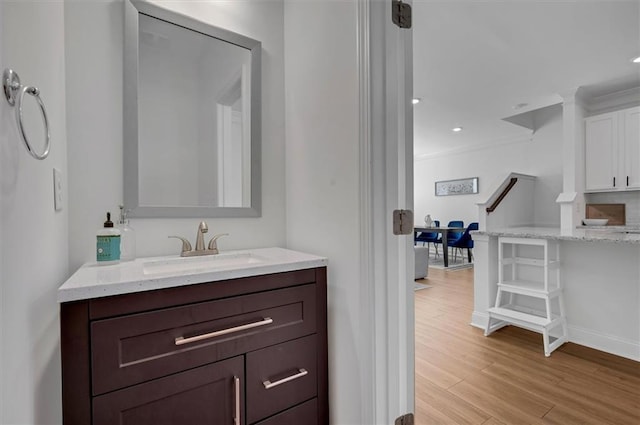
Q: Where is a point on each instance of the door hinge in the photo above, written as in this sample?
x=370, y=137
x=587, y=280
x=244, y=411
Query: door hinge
x=402, y=222
x=401, y=13
x=405, y=419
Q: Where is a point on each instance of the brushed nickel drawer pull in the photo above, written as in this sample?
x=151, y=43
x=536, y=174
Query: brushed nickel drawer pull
x=182, y=340
x=268, y=384
x=236, y=416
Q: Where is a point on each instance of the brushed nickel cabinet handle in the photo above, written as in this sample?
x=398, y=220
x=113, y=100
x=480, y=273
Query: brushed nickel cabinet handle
x=182, y=340
x=268, y=384
x=236, y=417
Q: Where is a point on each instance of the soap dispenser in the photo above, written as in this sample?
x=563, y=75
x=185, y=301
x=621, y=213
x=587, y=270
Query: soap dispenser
x=127, y=237
x=108, y=243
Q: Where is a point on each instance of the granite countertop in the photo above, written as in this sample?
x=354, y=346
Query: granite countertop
x=147, y=274
x=610, y=234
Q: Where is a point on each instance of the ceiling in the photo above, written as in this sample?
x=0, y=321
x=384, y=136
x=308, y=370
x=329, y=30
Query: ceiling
x=475, y=60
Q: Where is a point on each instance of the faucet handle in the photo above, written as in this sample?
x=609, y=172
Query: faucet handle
x=186, y=245
x=213, y=244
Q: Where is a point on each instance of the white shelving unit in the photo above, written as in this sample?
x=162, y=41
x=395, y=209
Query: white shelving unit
x=529, y=290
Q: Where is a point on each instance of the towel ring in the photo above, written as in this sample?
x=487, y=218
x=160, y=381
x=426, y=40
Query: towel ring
x=11, y=85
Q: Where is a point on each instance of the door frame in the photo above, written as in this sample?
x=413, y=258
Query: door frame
x=385, y=68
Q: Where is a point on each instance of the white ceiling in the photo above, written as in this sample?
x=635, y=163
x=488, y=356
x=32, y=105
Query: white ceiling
x=475, y=60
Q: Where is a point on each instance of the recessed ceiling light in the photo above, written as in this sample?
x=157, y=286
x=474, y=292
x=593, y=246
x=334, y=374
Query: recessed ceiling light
x=416, y=100
x=636, y=60
x=456, y=129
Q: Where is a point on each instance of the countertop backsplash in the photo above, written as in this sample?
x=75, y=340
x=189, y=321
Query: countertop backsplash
x=631, y=199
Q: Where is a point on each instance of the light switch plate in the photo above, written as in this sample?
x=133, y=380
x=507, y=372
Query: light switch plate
x=57, y=189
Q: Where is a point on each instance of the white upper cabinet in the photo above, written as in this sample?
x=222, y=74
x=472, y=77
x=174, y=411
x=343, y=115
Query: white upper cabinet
x=601, y=152
x=612, y=151
x=632, y=147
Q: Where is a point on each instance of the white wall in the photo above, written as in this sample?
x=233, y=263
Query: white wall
x=322, y=175
x=94, y=39
x=540, y=157
x=34, y=237
x=603, y=308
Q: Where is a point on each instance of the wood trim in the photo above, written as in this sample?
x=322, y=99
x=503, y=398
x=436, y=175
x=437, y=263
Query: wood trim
x=76, y=363
x=368, y=128
x=502, y=195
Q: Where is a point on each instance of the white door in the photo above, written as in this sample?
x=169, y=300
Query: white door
x=391, y=131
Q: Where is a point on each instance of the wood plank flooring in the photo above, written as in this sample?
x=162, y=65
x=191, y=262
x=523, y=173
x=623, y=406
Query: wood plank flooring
x=463, y=377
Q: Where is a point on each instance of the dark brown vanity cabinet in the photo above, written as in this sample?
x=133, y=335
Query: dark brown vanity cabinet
x=240, y=352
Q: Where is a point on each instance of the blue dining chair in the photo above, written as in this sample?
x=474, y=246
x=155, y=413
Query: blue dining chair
x=429, y=237
x=464, y=242
x=453, y=235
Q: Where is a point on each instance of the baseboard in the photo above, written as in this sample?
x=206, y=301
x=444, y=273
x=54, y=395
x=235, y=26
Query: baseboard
x=609, y=344
x=479, y=320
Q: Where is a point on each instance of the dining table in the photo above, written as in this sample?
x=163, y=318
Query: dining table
x=444, y=231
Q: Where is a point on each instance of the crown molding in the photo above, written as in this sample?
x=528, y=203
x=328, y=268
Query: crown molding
x=613, y=101
x=474, y=148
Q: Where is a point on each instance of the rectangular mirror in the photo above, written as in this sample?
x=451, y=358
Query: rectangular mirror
x=191, y=117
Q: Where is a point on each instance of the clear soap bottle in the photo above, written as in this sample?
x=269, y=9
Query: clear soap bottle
x=127, y=237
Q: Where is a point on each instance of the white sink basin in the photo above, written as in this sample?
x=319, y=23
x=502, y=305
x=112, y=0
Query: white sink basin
x=201, y=264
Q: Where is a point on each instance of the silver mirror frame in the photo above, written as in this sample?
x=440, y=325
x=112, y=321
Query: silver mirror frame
x=133, y=8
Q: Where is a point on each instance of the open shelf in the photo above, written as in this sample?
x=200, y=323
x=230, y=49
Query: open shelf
x=529, y=268
x=530, y=288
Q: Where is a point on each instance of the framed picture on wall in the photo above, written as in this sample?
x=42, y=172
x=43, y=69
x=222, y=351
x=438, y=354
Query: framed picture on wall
x=457, y=187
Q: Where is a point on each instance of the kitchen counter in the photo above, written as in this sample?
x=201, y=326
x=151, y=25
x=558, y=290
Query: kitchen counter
x=609, y=234
x=147, y=274
x=600, y=276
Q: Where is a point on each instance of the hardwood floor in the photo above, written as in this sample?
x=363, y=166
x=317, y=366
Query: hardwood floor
x=463, y=377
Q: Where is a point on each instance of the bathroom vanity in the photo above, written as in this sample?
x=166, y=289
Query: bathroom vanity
x=237, y=338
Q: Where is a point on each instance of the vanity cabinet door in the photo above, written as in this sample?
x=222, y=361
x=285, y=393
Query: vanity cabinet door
x=211, y=394
x=280, y=377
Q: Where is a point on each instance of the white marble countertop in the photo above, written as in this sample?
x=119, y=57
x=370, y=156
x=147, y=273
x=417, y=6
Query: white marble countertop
x=610, y=234
x=147, y=274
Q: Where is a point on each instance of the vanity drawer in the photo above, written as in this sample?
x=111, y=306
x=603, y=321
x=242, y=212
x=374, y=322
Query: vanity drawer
x=281, y=376
x=131, y=349
x=305, y=413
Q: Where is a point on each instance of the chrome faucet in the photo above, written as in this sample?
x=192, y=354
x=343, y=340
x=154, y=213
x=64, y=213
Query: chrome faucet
x=212, y=249
x=202, y=229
